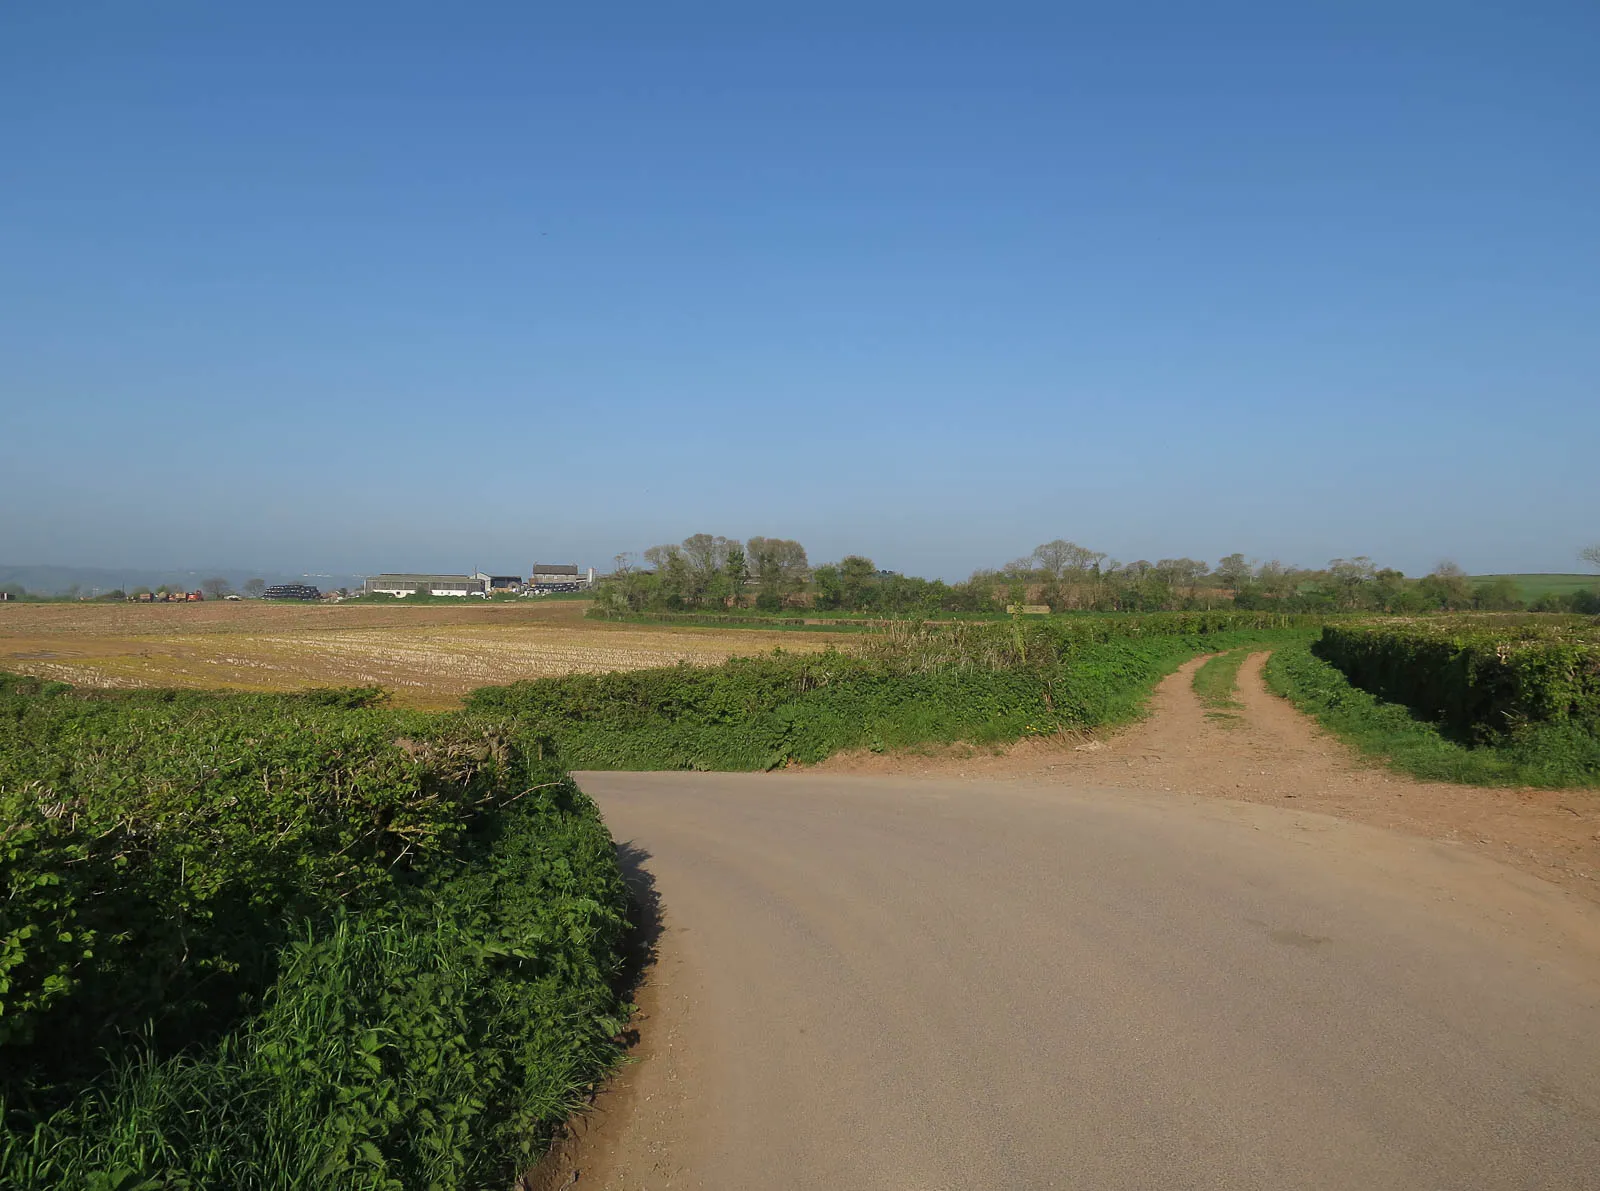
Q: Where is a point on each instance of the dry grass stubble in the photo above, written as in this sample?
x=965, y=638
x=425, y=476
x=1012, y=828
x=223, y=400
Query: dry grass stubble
x=429, y=656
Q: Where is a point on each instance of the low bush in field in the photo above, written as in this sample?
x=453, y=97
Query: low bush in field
x=916, y=684
x=1483, y=680
x=290, y=941
x=1550, y=754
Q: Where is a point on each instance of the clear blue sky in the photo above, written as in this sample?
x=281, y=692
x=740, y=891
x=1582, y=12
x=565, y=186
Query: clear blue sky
x=352, y=287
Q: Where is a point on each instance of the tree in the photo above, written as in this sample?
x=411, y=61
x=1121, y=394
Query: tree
x=976, y=594
x=855, y=581
x=216, y=587
x=1591, y=555
x=1233, y=572
x=1064, y=565
x=1349, y=579
x=1181, y=574
x=780, y=570
x=1497, y=595
x=830, y=588
x=625, y=590
x=735, y=572
x=254, y=587
x=1388, y=586
x=1062, y=559
x=706, y=555
x=1446, y=587
x=1277, y=581
x=674, y=579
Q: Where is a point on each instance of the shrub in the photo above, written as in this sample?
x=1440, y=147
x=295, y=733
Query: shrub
x=152, y=844
x=290, y=941
x=1482, y=680
x=1547, y=755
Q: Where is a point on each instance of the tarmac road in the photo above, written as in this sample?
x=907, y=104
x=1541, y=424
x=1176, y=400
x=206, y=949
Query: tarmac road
x=889, y=983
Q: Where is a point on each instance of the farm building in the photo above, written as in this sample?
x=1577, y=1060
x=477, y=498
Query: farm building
x=549, y=574
x=500, y=582
x=439, y=585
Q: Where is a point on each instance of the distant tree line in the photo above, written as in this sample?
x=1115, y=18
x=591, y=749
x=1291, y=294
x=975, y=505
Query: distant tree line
x=709, y=572
x=1067, y=576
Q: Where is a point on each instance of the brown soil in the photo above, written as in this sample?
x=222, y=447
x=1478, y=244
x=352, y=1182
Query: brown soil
x=427, y=655
x=1271, y=753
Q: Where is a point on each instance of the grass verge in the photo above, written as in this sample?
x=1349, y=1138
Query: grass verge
x=1548, y=756
x=1216, y=682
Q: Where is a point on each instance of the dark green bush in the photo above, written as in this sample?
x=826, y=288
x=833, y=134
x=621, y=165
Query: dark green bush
x=1537, y=755
x=1484, y=681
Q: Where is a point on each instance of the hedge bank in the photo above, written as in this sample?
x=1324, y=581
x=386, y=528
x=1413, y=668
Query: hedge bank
x=290, y=941
x=919, y=684
x=1483, y=681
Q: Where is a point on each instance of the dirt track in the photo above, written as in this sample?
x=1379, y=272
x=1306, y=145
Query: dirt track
x=1275, y=755
x=1027, y=978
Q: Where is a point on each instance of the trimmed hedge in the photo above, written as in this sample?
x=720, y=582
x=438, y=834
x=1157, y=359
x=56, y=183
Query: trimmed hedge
x=1551, y=755
x=1481, y=681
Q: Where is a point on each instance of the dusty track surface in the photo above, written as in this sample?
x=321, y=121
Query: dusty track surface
x=1073, y=964
x=923, y=983
x=1272, y=754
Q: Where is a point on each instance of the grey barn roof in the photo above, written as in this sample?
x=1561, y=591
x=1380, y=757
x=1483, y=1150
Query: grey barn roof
x=554, y=568
x=406, y=577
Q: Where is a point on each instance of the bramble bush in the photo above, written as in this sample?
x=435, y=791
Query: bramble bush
x=290, y=941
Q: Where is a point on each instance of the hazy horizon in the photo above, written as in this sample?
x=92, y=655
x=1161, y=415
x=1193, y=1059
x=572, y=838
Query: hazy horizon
x=400, y=288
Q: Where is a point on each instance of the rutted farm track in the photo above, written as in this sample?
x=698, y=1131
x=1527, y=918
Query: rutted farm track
x=1198, y=954
x=1272, y=754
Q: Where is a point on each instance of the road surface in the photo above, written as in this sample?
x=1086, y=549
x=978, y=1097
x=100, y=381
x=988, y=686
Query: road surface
x=893, y=983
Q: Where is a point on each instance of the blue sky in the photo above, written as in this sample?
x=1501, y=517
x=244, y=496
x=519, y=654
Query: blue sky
x=416, y=286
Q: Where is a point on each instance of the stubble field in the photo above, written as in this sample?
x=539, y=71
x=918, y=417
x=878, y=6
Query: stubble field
x=429, y=655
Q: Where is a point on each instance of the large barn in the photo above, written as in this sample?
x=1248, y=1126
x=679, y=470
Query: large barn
x=439, y=585
x=560, y=576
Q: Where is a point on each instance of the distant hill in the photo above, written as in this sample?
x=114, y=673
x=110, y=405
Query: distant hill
x=45, y=580
x=1534, y=586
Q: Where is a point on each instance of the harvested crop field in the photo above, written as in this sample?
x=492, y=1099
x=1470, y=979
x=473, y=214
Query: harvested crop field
x=428, y=655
